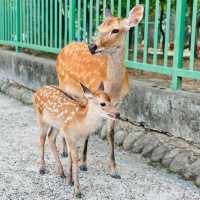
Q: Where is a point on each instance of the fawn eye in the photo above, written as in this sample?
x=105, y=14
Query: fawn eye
x=102, y=104
x=115, y=31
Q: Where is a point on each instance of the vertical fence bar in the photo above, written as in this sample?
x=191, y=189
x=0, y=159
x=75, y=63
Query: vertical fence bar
x=104, y=8
x=178, y=42
x=35, y=21
x=193, y=34
x=84, y=19
x=119, y=10
x=167, y=33
x=66, y=21
x=135, y=52
x=56, y=23
x=112, y=6
x=8, y=17
x=4, y=22
x=91, y=21
x=3, y=17
x=31, y=21
x=60, y=24
x=51, y=23
x=13, y=20
x=97, y=13
x=146, y=31
x=79, y=20
x=39, y=22
x=8, y=20
x=42, y=22
x=155, y=45
x=1, y=21
x=18, y=11
x=27, y=21
x=47, y=22
x=127, y=37
x=24, y=21
x=72, y=9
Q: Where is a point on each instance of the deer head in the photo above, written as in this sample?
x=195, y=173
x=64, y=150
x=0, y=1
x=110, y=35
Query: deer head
x=111, y=33
x=101, y=102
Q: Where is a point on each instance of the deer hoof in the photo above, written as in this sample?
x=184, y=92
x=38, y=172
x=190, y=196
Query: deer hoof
x=71, y=182
x=42, y=171
x=83, y=167
x=115, y=175
x=62, y=175
x=78, y=195
x=64, y=154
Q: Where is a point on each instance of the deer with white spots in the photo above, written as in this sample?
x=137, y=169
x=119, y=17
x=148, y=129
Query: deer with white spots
x=57, y=109
x=100, y=61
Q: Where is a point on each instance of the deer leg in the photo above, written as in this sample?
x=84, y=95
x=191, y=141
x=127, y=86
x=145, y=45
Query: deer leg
x=43, y=133
x=64, y=148
x=71, y=181
x=83, y=166
x=74, y=169
x=112, y=164
x=52, y=144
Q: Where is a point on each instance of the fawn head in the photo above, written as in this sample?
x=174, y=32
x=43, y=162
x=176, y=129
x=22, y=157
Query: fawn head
x=111, y=33
x=101, y=102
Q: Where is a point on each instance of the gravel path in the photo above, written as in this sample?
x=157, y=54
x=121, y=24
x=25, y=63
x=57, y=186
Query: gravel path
x=20, y=178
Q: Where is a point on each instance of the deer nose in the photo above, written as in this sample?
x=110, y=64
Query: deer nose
x=117, y=115
x=92, y=48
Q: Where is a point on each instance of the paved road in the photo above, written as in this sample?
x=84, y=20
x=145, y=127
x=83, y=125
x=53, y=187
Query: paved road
x=19, y=178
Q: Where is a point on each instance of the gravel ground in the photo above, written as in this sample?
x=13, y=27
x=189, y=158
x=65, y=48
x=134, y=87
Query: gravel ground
x=19, y=150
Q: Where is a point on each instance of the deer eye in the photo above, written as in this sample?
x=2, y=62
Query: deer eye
x=102, y=104
x=115, y=31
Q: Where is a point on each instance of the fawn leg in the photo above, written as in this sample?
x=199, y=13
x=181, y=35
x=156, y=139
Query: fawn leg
x=110, y=137
x=71, y=181
x=52, y=144
x=43, y=133
x=83, y=166
x=75, y=170
x=64, y=152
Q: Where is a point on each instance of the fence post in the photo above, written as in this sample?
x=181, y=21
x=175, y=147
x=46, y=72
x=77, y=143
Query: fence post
x=18, y=21
x=178, y=43
x=72, y=18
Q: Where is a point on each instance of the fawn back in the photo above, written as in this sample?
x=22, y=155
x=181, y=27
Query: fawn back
x=59, y=110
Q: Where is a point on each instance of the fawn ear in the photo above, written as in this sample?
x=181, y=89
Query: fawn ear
x=134, y=17
x=108, y=12
x=86, y=91
x=101, y=87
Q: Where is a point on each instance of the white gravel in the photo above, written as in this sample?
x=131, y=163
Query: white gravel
x=19, y=150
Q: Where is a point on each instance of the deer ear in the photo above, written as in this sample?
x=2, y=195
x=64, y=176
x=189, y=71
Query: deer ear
x=101, y=87
x=108, y=12
x=135, y=16
x=86, y=91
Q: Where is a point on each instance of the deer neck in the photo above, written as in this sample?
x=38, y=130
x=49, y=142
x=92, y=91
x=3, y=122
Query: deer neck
x=91, y=120
x=115, y=73
x=115, y=68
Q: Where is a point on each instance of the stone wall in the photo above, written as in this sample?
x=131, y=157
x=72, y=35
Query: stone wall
x=177, y=113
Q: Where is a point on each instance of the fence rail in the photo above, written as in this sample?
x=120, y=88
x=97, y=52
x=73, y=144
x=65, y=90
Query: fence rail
x=48, y=25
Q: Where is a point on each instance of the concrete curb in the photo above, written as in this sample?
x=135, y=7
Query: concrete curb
x=173, y=153
x=16, y=91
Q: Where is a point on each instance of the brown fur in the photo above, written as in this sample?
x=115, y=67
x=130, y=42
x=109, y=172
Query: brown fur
x=55, y=108
x=76, y=64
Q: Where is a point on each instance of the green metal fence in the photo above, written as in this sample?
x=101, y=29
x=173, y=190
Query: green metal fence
x=48, y=25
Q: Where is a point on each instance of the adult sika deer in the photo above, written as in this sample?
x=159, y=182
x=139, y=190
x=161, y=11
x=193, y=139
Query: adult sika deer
x=100, y=61
x=57, y=109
